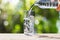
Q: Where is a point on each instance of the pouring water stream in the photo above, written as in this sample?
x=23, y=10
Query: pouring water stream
x=29, y=20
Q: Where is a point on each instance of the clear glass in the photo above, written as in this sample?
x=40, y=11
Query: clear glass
x=43, y=19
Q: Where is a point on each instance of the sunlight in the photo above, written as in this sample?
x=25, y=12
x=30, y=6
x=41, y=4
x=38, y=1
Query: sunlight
x=12, y=2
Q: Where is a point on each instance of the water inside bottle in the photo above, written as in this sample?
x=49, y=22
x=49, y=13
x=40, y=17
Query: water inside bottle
x=45, y=20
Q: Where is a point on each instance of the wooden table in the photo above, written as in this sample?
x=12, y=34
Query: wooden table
x=27, y=37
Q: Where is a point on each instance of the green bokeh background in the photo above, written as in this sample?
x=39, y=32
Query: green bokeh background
x=16, y=15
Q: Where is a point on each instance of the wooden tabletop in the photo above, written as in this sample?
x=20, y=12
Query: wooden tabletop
x=29, y=37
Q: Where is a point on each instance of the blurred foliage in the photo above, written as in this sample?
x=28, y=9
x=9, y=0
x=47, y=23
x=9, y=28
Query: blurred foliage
x=13, y=23
x=45, y=18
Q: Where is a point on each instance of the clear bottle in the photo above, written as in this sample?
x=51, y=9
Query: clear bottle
x=43, y=19
x=58, y=23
